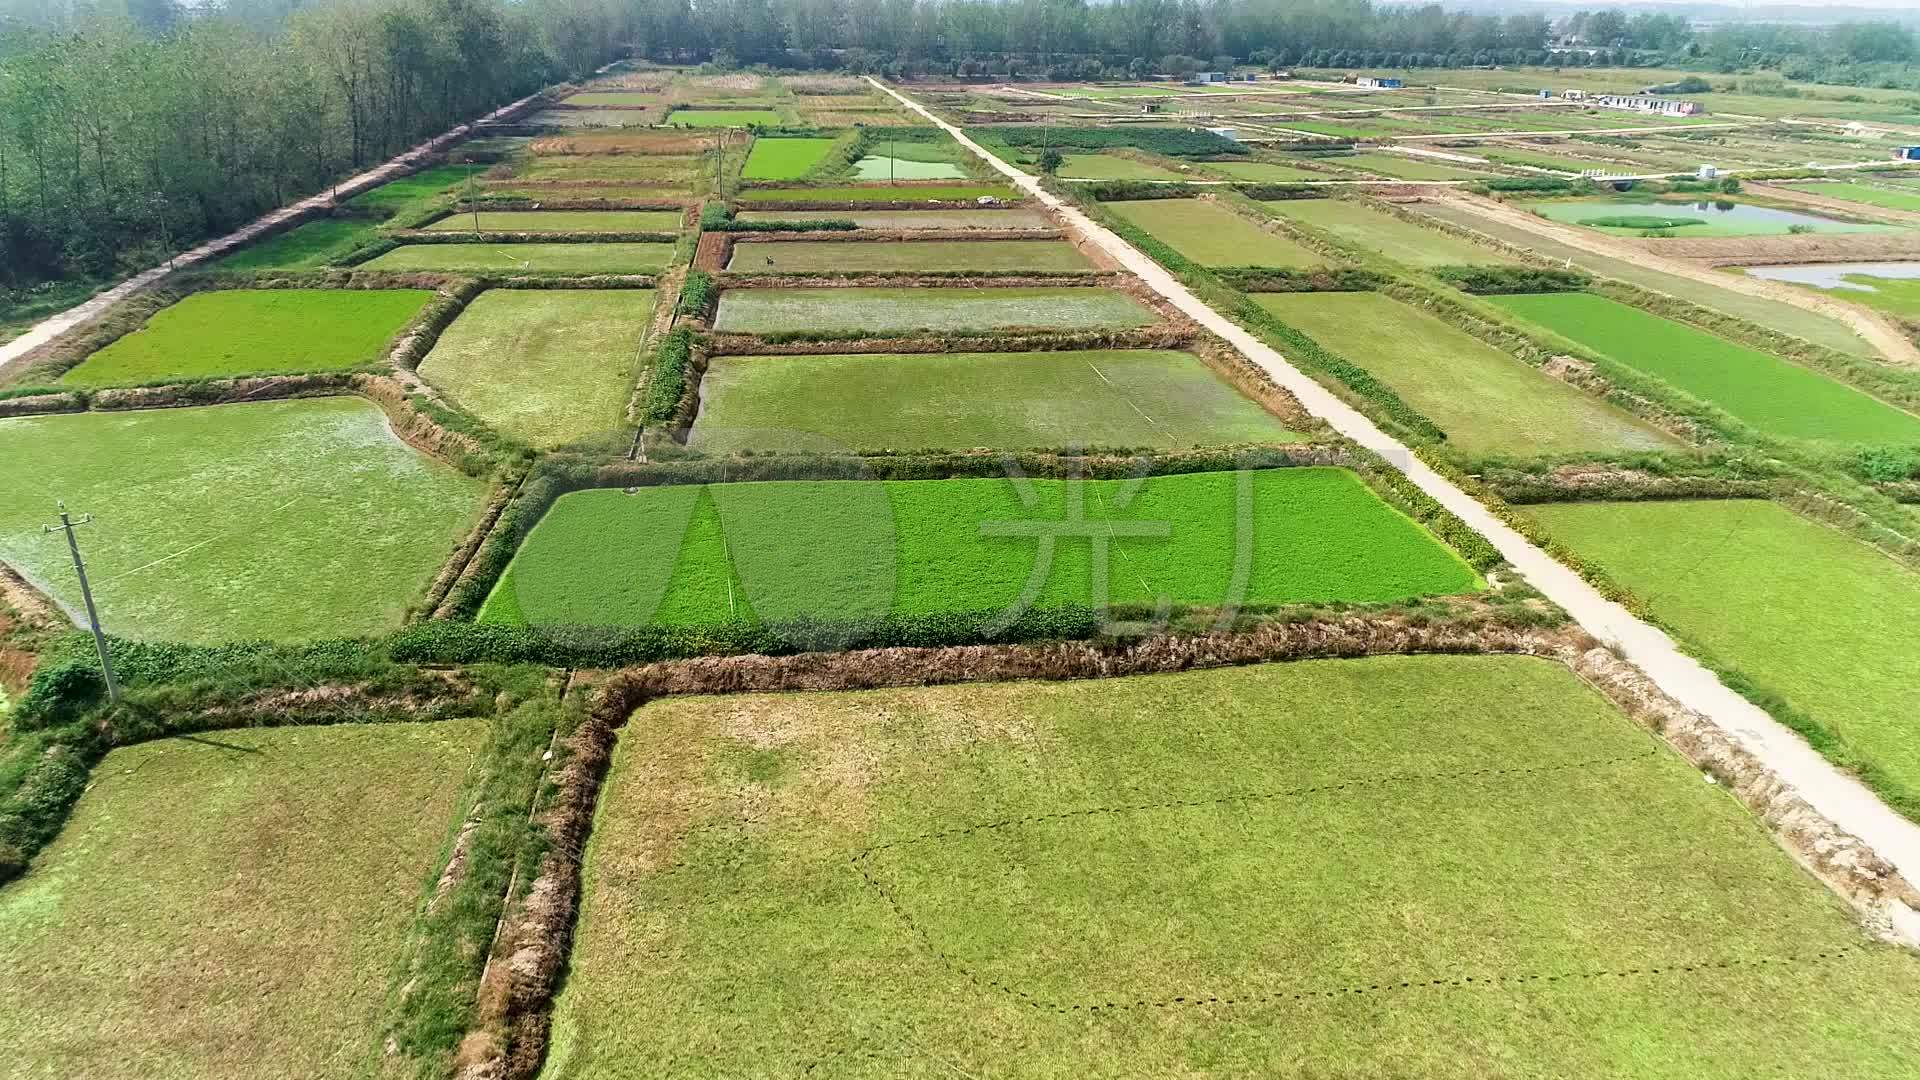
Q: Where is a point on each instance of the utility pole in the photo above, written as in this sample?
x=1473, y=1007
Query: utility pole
x=67, y=525
x=473, y=204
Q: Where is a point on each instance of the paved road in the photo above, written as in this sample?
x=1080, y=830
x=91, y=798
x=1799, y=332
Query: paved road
x=1841, y=798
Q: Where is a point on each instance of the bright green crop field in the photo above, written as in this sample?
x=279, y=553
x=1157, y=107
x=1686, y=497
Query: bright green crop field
x=229, y=905
x=1135, y=398
x=802, y=256
x=303, y=247
x=760, y=311
x=1212, y=235
x=395, y=194
x=1774, y=396
x=1858, y=192
x=1263, y=171
x=775, y=550
x=250, y=331
x=1376, y=230
x=589, y=258
x=883, y=193
x=708, y=118
x=784, y=159
x=546, y=366
x=1284, y=870
x=1802, y=609
x=1485, y=400
x=580, y=221
x=282, y=519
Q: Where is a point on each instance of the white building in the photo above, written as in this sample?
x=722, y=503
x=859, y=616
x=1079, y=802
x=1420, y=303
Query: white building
x=1646, y=104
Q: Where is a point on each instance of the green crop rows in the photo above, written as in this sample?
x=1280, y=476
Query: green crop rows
x=803, y=256
x=1212, y=235
x=592, y=258
x=755, y=311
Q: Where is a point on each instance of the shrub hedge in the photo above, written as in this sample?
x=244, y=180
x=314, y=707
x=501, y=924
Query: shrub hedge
x=1173, y=141
x=669, y=382
x=1501, y=280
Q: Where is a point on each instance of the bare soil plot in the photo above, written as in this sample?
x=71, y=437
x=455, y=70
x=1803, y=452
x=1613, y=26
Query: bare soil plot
x=1262, y=871
x=229, y=905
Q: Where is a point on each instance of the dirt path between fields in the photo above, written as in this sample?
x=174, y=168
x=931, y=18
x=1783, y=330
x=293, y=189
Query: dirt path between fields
x=1881, y=333
x=1839, y=797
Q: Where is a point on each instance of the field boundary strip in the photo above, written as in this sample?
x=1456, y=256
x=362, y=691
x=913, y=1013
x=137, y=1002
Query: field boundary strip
x=1835, y=796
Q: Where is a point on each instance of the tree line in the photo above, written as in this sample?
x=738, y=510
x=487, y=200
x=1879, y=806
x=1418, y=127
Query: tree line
x=132, y=127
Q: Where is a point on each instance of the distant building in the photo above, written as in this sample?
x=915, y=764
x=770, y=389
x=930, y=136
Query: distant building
x=1380, y=84
x=1709, y=172
x=1574, y=95
x=1210, y=77
x=1225, y=133
x=1545, y=94
x=1907, y=153
x=1643, y=103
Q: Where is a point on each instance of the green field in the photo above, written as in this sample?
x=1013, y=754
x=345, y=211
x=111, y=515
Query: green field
x=1113, y=167
x=396, y=194
x=546, y=366
x=1774, y=396
x=303, y=247
x=1015, y=400
x=910, y=219
x=562, y=221
x=282, y=519
x=784, y=159
x=1376, y=230
x=1804, y=610
x=763, y=311
x=1278, y=870
x=692, y=555
x=1401, y=167
x=806, y=256
x=1785, y=318
x=1263, y=172
x=712, y=118
x=499, y=259
x=249, y=331
x=229, y=905
x=1858, y=192
x=1485, y=400
x=879, y=193
x=1212, y=235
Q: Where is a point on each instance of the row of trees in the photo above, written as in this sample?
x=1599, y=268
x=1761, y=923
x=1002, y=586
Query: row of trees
x=120, y=141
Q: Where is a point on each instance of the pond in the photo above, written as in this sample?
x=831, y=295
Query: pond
x=881, y=167
x=1839, y=275
x=1708, y=217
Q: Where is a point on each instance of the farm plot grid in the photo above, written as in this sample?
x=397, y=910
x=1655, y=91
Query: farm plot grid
x=229, y=905
x=1485, y=400
x=808, y=256
x=253, y=331
x=1251, y=871
x=1377, y=230
x=884, y=310
x=561, y=221
x=1776, y=397
x=688, y=555
x=536, y=258
x=546, y=366
x=285, y=520
x=1134, y=398
x=1213, y=235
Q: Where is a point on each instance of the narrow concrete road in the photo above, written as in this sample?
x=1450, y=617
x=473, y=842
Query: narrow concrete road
x=52, y=327
x=1841, y=798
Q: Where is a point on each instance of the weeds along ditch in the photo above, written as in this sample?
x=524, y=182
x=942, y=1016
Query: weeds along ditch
x=1823, y=484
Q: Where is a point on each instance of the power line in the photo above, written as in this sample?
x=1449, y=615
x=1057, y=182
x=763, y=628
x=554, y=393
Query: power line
x=67, y=525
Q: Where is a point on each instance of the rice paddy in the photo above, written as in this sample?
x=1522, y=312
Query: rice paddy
x=883, y=310
x=1776, y=397
x=1212, y=235
x=286, y=520
x=911, y=219
x=562, y=221
x=508, y=259
x=1485, y=400
x=810, y=256
x=784, y=159
x=230, y=332
x=778, y=550
x=546, y=366
x=1377, y=230
x=963, y=400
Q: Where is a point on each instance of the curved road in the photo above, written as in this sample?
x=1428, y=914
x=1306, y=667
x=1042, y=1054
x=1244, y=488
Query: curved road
x=1841, y=798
